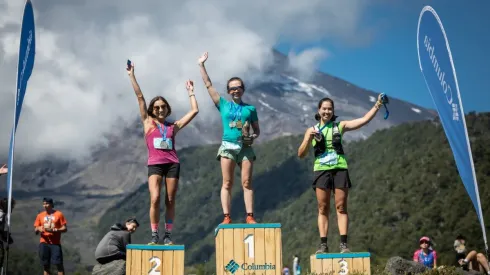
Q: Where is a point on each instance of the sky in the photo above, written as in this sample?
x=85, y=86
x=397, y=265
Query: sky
x=392, y=48
x=79, y=91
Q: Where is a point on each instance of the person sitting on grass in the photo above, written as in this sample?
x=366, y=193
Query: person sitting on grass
x=426, y=255
x=469, y=260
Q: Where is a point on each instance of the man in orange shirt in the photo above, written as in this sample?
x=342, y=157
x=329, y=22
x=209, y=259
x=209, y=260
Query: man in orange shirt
x=50, y=223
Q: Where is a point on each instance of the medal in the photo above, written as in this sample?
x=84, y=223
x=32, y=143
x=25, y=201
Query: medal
x=232, y=124
x=239, y=124
x=163, y=144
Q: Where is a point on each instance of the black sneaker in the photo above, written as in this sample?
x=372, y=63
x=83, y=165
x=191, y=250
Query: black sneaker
x=167, y=240
x=344, y=248
x=465, y=265
x=154, y=238
x=322, y=248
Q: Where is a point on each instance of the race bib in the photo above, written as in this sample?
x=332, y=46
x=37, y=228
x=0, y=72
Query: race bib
x=232, y=146
x=329, y=158
x=163, y=144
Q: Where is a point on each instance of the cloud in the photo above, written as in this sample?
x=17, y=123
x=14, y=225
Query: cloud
x=79, y=89
x=306, y=62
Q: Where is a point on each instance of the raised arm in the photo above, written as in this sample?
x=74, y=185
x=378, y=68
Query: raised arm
x=305, y=145
x=181, y=123
x=139, y=94
x=207, y=81
x=358, y=123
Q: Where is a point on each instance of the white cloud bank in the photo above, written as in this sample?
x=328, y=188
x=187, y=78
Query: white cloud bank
x=79, y=88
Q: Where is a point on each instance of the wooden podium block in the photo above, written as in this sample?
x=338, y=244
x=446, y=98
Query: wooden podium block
x=340, y=263
x=243, y=249
x=154, y=259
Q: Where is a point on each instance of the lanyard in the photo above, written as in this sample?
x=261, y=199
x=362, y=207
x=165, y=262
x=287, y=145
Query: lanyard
x=235, y=112
x=321, y=129
x=164, y=132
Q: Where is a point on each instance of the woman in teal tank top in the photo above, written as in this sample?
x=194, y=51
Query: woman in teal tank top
x=237, y=118
x=330, y=166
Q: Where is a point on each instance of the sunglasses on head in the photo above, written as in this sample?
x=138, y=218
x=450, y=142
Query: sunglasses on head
x=235, y=88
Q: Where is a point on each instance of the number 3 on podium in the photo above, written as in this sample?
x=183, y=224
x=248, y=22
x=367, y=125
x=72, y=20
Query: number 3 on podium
x=156, y=264
x=249, y=240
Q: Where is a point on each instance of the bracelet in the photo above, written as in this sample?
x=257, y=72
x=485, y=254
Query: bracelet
x=378, y=105
x=193, y=94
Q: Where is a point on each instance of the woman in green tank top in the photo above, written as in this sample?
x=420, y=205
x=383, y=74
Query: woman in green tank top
x=330, y=166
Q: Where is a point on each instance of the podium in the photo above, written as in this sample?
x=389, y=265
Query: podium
x=340, y=263
x=243, y=249
x=154, y=259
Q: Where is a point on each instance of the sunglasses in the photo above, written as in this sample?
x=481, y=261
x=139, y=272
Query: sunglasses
x=424, y=242
x=235, y=88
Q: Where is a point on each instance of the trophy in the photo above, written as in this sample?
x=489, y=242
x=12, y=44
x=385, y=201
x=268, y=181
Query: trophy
x=246, y=137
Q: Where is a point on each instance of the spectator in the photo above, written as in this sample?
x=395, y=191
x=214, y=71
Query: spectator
x=469, y=260
x=296, y=266
x=111, y=250
x=426, y=255
x=3, y=221
x=51, y=224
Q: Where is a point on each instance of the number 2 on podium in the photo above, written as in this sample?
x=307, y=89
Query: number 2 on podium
x=153, y=269
x=250, y=241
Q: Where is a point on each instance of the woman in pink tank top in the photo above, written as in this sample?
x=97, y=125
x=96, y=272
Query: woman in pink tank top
x=162, y=157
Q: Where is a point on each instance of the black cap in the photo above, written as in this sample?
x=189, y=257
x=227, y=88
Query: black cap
x=49, y=201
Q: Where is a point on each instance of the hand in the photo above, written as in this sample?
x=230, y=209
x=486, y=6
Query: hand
x=130, y=70
x=189, y=85
x=249, y=140
x=378, y=103
x=203, y=58
x=4, y=169
x=311, y=132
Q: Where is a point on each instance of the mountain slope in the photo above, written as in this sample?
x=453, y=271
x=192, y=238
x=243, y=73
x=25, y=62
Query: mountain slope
x=405, y=185
x=286, y=105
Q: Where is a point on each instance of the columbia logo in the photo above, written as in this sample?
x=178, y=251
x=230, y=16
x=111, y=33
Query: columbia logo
x=232, y=267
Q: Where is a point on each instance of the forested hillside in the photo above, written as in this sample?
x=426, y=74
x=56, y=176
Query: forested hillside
x=405, y=185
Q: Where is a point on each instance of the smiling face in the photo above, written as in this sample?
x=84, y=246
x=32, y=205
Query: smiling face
x=326, y=110
x=235, y=88
x=159, y=108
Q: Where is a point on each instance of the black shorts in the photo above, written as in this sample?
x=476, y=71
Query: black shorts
x=331, y=179
x=50, y=254
x=167, y=170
